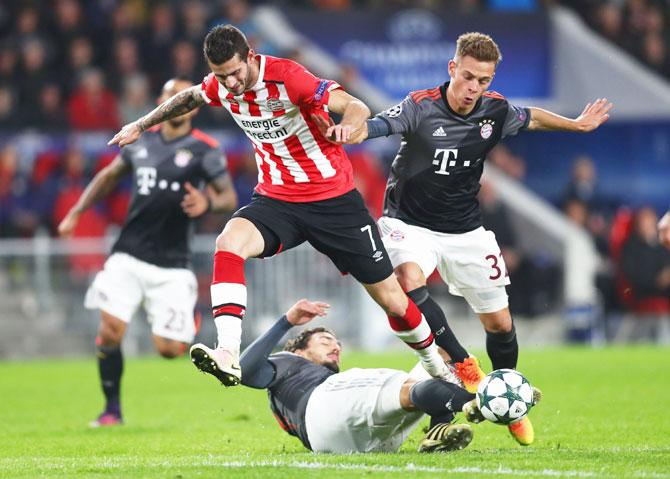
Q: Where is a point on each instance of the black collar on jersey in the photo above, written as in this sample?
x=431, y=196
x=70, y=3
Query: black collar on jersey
x=443, y=91
x=174, y=140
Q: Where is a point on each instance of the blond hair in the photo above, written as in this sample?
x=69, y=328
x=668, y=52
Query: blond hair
x=479, y=46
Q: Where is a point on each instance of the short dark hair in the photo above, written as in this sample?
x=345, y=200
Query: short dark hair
x=223, y=42
x=300, y=343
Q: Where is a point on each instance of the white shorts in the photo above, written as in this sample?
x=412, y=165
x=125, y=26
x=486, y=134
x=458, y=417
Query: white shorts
x=359, y=411
x=168, y=295
x=470, y=263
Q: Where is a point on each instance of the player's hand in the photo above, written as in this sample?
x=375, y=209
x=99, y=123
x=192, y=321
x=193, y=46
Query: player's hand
x=323, y=125
x=195, y=202
x=594, y=115
x=664, y=230
x=130, y=133
x=304, y=311
x=68, y=224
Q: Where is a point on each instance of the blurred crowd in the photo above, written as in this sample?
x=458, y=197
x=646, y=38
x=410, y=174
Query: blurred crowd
x=641, y=27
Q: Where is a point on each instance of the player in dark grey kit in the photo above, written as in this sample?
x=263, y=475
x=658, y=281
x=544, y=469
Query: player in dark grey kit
x=431, y=215
x=359, y=410
x=149, y=263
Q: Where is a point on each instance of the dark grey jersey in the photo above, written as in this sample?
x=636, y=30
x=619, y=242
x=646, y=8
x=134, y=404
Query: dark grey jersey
x=156, y=229
x=435, y=175
x=294, y=381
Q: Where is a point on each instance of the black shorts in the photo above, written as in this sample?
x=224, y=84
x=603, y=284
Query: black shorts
x=340, y=227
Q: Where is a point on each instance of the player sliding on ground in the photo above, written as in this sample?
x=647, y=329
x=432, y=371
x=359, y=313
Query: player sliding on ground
x=431, y=217
x=305, y=191
x=359, y=410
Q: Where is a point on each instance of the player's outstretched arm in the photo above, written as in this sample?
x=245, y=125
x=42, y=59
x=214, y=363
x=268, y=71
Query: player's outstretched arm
x=177, y=105
x=664, y=230
x=594, y=115
x=258, y=371
x=100, y=186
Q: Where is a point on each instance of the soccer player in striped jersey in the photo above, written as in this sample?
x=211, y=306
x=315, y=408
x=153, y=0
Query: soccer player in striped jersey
x=148, y=267
x=305, y=191
x=431, y=216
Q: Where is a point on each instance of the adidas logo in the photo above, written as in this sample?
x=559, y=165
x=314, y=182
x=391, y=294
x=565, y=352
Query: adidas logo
x=440, y=132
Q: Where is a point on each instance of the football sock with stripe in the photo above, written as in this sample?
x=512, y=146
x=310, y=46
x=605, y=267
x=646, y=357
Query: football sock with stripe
x=444, y=336
x=229, y=298
x=503, y=349
x=439, y=399
x=110, y=367
x=413, y=329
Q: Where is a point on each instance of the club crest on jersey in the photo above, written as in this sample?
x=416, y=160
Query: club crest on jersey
x=397, y=235
x=274, y=104
x=182, y=158
x=486, y=128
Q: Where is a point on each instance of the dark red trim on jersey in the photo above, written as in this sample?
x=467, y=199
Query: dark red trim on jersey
x=421, y=344
x=281, y=245
x=228, y=268
x=205, y=138
x=250, y=98
x=229, y=309
x=493, y=94
x=274, y=93
x=420, y=95
x=234, y=105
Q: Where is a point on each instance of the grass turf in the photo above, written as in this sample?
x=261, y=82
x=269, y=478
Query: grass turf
x=604, y=414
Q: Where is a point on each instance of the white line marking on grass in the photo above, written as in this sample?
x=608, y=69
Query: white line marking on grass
x=65, y=464
x=501, y=471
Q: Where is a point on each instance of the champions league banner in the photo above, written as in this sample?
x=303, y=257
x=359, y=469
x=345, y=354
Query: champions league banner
x=401, y=51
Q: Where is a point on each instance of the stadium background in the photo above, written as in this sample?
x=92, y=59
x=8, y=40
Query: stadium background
x=72, y=72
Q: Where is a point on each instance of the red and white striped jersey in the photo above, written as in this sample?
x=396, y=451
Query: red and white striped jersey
x=295, y=161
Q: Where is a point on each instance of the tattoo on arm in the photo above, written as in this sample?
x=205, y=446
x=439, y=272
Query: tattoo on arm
x=181, y=103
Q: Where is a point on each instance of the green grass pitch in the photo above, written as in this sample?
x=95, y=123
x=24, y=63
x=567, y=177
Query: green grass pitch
x=605, y=413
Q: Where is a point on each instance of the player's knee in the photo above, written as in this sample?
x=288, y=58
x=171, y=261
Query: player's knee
x=498, y=322
x=230, y=243
x=110, y=334
x=409, y=281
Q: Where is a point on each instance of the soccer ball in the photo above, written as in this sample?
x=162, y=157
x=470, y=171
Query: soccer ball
x=504, y=396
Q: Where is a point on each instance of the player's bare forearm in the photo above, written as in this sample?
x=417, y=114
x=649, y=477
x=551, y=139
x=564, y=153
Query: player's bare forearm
x=593, y=115
x=101, y=185
x=355, y=114
x=180, y=104
x=222, y=195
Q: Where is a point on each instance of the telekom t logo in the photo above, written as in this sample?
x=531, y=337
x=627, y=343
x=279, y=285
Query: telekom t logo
x=447, y=159
x=444, y=159
x=146, y=179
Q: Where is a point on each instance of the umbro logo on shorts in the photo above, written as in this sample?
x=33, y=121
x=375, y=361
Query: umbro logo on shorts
x=440, y=132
